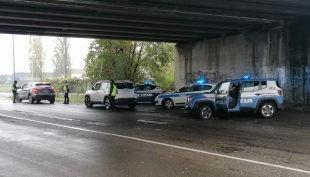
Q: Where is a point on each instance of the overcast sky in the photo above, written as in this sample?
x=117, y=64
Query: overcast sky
x=78, y=50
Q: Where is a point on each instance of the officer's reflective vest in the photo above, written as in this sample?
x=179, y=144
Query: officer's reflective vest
x=13, y=88
x=113, y=91
x=65, y=87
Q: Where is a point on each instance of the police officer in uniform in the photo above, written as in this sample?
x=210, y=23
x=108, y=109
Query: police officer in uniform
x=14, y=89
x=234, y=96
x=66, y=94
x=112, y=95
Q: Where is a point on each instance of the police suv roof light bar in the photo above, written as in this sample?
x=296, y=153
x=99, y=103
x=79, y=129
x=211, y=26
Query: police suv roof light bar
x=200, y=81
x=246, y=77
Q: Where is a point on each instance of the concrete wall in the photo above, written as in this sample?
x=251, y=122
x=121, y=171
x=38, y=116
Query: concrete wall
x=282, y=53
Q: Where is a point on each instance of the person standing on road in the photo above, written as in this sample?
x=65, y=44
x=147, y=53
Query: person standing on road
x=66, y=94
x=14, y=89
x=112, y=95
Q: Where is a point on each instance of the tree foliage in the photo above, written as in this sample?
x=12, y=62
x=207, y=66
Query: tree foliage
x=37, y=59
x=61, y=59
x=130, y=60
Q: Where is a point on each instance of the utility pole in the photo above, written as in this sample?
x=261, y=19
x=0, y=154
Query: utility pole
x=13, y=58
x=65, y=44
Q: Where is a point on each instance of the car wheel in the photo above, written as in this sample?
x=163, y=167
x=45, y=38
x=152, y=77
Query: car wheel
x=87, y=102
x=52, y=101
x=168, y=104
x=131, y=106
x=31, y=100
x=17, y=99
x=267, y=110
x=206, y=112
x=107, y=103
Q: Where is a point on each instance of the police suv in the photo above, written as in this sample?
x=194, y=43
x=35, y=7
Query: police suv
x=147, y=92
x=262, y=96
x=125, y=94
x=178, y=97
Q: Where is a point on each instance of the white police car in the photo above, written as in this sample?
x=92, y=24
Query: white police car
x=178, y=97
x=147, y=92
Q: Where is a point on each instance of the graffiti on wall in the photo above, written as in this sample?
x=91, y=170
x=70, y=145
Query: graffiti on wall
x=300, y=85
x=207, y=76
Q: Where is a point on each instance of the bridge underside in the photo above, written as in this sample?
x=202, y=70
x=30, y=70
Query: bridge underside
x=175, y=21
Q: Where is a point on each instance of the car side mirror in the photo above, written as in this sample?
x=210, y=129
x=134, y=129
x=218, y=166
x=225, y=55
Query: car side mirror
x=177, y=91
x=93, y=88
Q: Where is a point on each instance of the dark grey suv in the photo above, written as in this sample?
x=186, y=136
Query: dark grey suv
x=36, y=91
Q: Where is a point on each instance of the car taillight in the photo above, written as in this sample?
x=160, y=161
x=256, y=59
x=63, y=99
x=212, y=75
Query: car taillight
x=36, y=90
x=54, y=90
x=280, y=92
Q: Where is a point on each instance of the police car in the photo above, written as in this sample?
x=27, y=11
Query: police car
x=262, y=96
x=178, y=97
x=147, y=92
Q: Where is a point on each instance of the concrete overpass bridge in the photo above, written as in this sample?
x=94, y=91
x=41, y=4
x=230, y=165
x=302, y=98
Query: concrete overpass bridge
x=156, y=20
x=215, y=38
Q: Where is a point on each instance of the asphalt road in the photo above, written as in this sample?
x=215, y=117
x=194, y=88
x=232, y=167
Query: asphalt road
x=72, y=140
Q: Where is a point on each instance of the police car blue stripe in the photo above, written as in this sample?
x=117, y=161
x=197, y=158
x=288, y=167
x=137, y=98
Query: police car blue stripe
x=173, y=96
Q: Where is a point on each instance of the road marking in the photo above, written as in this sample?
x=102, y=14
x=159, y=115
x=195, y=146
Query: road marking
x=164, y=144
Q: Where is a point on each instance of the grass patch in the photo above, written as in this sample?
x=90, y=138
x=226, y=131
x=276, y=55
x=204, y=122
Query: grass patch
x=6, y=87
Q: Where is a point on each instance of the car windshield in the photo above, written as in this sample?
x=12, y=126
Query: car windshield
x=124, y=85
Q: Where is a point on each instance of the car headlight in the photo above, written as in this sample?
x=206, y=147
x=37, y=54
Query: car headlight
x=189, y=99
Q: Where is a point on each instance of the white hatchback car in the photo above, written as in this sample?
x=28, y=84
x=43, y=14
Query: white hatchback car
x=178, y=97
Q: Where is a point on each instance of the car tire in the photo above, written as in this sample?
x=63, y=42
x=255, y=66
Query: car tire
x=107, y=103
x=267, y=110
x=168, y=104
x=17, y=99
x=51, y=101
x=30, y=98
x=131, y=106
x=205, y=112
x=87, y=102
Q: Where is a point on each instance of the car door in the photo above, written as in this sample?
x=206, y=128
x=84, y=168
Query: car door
x=183, y=93
x=95, y=94
x=102, y=91
x=222, y=97
x=235, y=108
x=23, y=92
x=251, y=94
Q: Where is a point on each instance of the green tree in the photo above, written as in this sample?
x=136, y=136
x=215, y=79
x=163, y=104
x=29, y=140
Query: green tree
x=37, y=59
x=131, y=60
x=61, y=59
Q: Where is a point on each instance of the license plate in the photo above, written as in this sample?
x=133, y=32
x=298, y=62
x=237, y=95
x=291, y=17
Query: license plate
x=45, y=92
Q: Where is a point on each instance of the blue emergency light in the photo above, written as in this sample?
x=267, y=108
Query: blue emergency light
x=148, y=83
x=246, y=77
x=200, y=81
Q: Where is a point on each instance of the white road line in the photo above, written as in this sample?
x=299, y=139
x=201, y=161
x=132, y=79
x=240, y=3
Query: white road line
x=164, y=144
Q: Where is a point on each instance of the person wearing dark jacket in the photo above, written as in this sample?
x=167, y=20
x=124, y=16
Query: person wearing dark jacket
x=112, y=95
x=234, y=96
x=14, y=90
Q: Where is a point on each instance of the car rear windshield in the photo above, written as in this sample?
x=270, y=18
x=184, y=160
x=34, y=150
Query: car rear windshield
x=278, y=84
x=124, y=85
x=43, y=85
